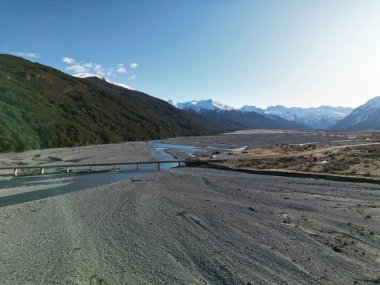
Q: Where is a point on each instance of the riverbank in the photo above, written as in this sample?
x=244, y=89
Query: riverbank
x=196, y=226
x=187, y=146
x=359, y=161
x=131, y=151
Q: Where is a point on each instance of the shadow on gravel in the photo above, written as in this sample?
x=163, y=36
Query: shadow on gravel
x=34, y=195
x=77, y=182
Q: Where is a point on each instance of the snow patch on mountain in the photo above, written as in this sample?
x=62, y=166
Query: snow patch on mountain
x=322, y=117
x=363, y=112
x=87, y=75
x=173, y=103
x=202, y=105
x=365, y=117
x=247, y=109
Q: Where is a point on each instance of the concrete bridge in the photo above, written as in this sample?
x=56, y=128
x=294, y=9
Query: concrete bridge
x=91, y=166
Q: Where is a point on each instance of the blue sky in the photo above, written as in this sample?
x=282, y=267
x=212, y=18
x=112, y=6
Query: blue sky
x=295, y=53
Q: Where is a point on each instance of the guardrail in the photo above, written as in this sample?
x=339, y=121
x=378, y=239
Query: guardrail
x=91, y=166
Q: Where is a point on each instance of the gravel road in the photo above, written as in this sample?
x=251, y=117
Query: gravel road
x=196, y=226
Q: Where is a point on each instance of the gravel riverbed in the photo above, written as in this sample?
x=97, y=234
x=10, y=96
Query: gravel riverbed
x=196, y=226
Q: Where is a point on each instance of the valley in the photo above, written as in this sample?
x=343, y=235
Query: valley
x=41, y=107
x=197, y=226
x=353, y=154
x=211, y=225
x=189, y=142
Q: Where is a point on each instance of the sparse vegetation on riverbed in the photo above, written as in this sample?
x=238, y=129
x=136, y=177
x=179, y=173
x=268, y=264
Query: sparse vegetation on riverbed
x=362, y=160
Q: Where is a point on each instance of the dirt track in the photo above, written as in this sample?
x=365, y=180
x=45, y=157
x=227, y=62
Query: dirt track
x=196, y=226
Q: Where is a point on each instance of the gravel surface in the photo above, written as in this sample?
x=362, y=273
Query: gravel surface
x=196, y=226
x=107, y=153
x=258, y=138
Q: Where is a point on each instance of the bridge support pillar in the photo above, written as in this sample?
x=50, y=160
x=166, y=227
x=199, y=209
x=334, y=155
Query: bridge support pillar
x=15, y=172
x=42, y=171
x=114, y=167
x=92, y=168
x=137, y=166
x=158, y=166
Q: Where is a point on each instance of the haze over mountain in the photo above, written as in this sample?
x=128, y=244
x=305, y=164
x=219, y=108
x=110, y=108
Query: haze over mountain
x=323, y=117
x=365, y=117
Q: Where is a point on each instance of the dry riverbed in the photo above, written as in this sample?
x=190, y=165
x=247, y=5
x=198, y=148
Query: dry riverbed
x=131, y=151
x=110, y=153
x=360, y=160
x=196, y=226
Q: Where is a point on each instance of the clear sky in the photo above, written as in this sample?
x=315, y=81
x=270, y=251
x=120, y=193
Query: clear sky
x=295, y=53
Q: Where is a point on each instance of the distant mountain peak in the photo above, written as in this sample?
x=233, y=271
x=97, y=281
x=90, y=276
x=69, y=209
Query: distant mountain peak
x=202, y=105
x=89, y=75
x=364, y=117
x=322, y=117
x=374, y=102
x=247, y=109
x=172, y=102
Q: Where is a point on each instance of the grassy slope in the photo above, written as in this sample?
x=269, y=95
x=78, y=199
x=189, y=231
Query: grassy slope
x=42, y=107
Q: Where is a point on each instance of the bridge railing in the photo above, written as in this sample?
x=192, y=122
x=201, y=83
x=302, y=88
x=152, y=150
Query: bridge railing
x=91, y=166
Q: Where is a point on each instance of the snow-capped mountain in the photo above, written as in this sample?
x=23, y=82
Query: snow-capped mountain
x=199, y=106
x=87, y=75
x=236, y=119
x=323, y=117
x=365, y=117
x=173, y=103
x=247, y=109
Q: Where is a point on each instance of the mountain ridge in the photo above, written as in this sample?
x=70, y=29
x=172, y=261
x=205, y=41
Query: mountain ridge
x=198, y=106
x=42, y=107
x=364, y=117
x=322, y=117
x=234, y=118
x=89, y=75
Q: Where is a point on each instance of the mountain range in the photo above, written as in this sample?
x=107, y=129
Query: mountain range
x=198, y=106
x=323, y=117
x=363, y=118
x=234, y=118
x=42, y=107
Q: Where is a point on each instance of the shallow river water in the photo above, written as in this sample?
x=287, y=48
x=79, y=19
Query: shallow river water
x=14, y=190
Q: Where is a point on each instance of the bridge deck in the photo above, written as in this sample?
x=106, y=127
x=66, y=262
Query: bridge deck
x=88, y=164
